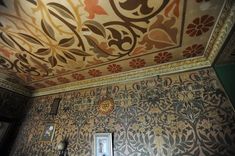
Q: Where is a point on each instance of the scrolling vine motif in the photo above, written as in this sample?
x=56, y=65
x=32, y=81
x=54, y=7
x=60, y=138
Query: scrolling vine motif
x=62, y=37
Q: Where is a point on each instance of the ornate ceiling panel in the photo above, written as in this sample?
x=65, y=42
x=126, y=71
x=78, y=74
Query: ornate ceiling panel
x=45, y=43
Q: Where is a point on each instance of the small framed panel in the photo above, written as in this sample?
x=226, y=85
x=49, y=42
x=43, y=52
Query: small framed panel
x=103, y=144
x=48, y=132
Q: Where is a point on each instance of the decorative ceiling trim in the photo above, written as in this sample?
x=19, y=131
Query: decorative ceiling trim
x=14, y=87
x=226, y=26
x=228, y=52
x=179, y=66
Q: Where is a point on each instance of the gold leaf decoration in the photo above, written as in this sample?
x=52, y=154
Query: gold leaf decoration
x=66, y=42
x=48, y=29
x=6, y=40
x=95, y=47
x=106, y=106
x=22, y=57
x=94, y=62
x=95, y=27
x=61, y=58
x=43, y=51
x=32, y=1
x=159, y=35
x=30, y=38
x=106, y=48
x=78, y=52
x=62, y=10
x=69, y=56
x=52, y=61
x=40, y=65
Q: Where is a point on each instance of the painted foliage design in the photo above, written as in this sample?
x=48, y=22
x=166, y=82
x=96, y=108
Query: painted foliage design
x=181, y=114
x=43, y=39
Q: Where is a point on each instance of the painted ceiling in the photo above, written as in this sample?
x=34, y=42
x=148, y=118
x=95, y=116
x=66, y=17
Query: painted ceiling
x=45, y=43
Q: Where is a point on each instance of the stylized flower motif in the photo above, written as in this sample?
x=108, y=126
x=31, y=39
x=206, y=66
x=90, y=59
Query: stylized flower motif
x=171, y=118
x=137, y=63
x=95, y=72
x=77, y=76
x=194, y=50
x=200, y=25
x=135, y=126
x=158, y=131
x=186, y=97
x=106, y=106
x=92, y=7
x=114, y=68
x=163, y=57
x=52, y=83
x=155, y=110
x=62, y=79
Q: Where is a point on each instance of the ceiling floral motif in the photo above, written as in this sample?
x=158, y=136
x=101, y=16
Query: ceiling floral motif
x=46, y=43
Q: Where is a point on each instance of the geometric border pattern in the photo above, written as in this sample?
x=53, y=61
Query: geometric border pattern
x=179, y=66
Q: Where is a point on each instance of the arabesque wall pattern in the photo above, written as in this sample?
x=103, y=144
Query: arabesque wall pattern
x=181, y=114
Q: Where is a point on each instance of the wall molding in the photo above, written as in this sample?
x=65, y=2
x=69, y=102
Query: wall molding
x=169, y=68
x=14, y=87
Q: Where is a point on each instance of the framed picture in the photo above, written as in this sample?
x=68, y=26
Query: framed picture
x=103, y=144
x=48, y=132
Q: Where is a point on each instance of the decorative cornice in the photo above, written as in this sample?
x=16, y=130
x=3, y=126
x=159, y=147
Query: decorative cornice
x=220, y=34
x=14, y=87
x=179, y=66
x=228, y=52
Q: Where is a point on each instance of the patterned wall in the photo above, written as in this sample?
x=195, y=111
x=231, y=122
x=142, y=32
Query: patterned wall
x=12, y=105
x=181, y=114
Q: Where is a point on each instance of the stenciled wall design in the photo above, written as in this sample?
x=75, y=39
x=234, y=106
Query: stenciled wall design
x=181, y=114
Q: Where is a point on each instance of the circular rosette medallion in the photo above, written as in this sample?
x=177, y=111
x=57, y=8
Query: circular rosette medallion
x=106, y=106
